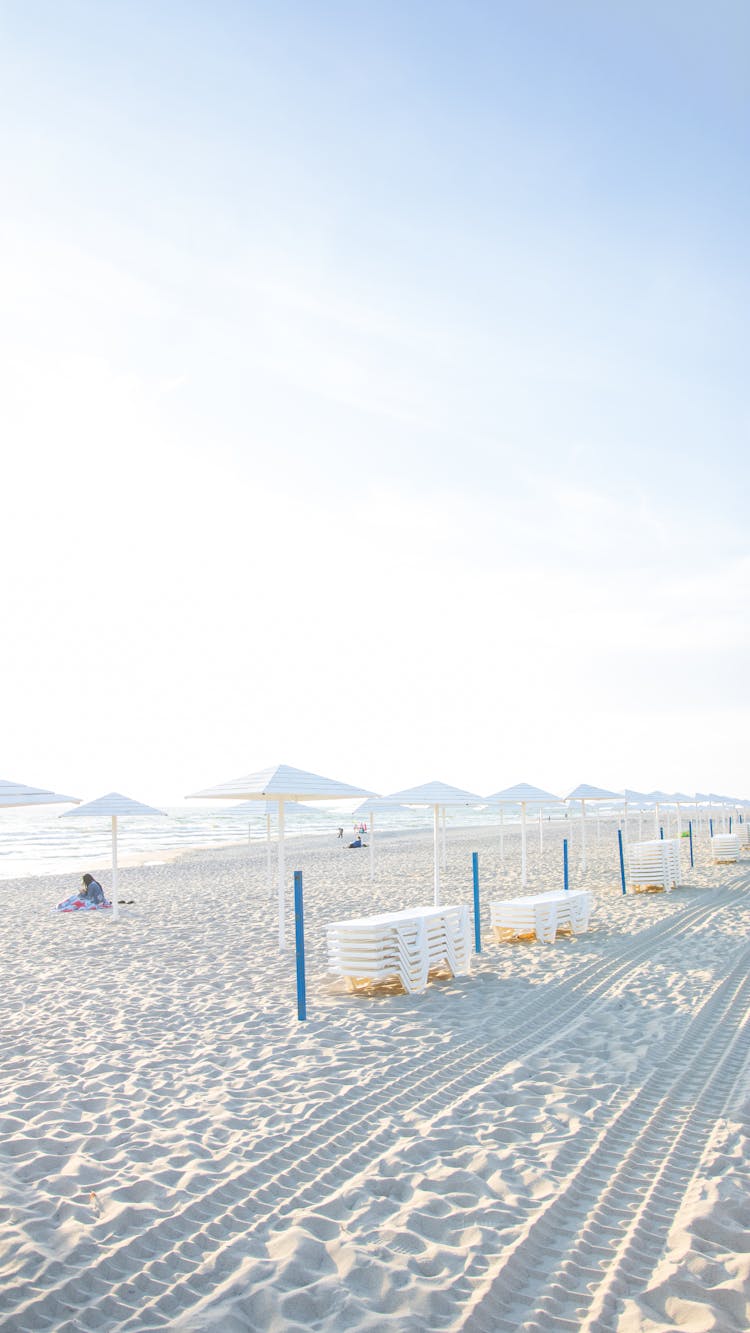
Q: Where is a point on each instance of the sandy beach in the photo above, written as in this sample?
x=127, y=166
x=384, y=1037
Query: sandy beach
x=558, y=1141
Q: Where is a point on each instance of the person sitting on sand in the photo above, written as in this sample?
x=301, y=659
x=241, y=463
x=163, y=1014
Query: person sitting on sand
x=357, y=843
x=92, y=890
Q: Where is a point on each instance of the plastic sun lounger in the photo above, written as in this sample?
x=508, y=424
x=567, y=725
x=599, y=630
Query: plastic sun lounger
x=654, y=864
x=542, y=914
x=725, y=848
x=406, y=949
x=403, y=945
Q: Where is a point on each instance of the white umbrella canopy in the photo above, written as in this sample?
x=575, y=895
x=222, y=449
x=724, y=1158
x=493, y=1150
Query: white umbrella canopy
x=523, y=794
x=637, y=798
x=17, y=793
x=283, y=783
x=584, y=793
x=438, y=795
x=114, y=805
x=657, y=799
x=640, y=802
x=725, y=803
x=679, y=798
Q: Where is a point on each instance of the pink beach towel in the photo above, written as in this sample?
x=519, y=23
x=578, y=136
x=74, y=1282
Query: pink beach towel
x=79, y=905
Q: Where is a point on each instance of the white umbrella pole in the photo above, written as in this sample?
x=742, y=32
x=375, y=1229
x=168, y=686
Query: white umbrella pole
x=541, y=834
x=523, y=843
x=268, y=851
x=436, y=855
x=656, y=820
x=640, y=824
x=281, y=873
x=583, y=836
x=502, y=836
x=115, y=908
x=372, y=846
x=445, y=858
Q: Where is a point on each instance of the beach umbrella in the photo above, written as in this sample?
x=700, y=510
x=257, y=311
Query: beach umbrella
x=16, y=793
x=523, y=794
x=657, y=799
x=369, y=807
x=679, y=799
x=639, y=800
x=265, y=810
x=113, y=806
x=724, y=803
x=702, y=798
x=439, y=795
x=585, y=793
x=283, y=784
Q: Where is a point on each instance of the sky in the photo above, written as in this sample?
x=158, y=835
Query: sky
x=373, y=393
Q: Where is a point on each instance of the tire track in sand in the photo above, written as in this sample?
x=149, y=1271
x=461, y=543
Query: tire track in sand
x=640, y=1167
x=163, y=1256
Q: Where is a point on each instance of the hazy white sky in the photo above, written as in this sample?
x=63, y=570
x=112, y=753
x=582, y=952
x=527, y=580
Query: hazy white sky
x=373, y=392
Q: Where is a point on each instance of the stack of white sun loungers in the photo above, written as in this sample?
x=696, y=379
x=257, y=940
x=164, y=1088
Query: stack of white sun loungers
x=743, y=833
x=406, y=945
x=542, y=914
x=654, y=864
x=725, y=847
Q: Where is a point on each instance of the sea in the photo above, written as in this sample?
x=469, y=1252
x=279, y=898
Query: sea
x=34, y=840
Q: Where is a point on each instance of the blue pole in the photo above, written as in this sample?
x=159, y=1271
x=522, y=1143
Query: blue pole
x=661, y=832
x=710, y=828
x=730, y=823
x=477, y=922
x=299, y=940
x=622, y=859
x=566, y=885
x=690, y=831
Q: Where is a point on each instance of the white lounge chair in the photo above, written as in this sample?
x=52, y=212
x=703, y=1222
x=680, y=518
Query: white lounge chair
x=404, y=945
x=542, y=914
x=654, y=864
x=725, y=848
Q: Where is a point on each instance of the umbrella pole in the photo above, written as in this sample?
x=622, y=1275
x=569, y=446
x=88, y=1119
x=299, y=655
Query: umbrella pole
x=281, y=873
x=445, y=820
x=372, y=846
x=268, y=852
x=502, y=837
x=115, y=908
x=583, y=836
x=436, y=855
x=523, y=843
x=541, y=834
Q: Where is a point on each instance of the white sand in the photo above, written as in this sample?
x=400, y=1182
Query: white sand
x=557, y=1142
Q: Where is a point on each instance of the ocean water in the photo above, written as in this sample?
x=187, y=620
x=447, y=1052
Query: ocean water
x=34, y=840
